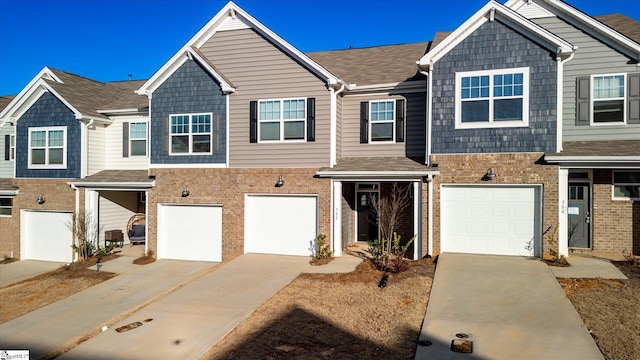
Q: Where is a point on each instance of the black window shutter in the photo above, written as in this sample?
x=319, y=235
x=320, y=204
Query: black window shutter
x=125, y=139
x=364, y=122
x=311, y=119
x=217, y=140
x=253, y=122
x=400, y=120
x=7, y=146
x=583, y=105
x=634, y=99
x=165, y=135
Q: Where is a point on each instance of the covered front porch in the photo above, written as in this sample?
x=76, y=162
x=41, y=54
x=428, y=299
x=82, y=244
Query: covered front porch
x=360, y=186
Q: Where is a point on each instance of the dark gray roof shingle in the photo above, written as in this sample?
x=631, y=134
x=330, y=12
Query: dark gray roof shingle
x=622, y=24
x=600, y=148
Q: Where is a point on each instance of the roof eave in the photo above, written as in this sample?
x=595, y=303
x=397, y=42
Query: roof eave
x=413, y=174
x=591, y=159
x=113, y=184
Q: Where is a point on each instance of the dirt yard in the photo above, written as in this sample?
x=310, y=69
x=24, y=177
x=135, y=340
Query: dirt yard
x=31, y=294
x=343, y=316
x=610, y=309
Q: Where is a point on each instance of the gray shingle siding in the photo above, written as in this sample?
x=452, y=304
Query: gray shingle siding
x=495, y=46
x=190, y=89
x=48, y=111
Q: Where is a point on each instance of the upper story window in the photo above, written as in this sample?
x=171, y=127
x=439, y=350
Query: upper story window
x=138, y=138
x=626, y=185
x=382, y=121
x=608, y=99
x=48, y=148
x=6, y=204
x=281, y=119
x=191, y=134
x=12, y=147
x=496, y=98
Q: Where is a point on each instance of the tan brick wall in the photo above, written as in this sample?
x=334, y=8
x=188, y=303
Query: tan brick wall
x=228, y=188
x=510, y=169
x=616, y=223
x=58, y=196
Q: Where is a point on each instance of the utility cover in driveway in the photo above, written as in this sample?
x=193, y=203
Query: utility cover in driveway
x=490, y=219
x=284, y=225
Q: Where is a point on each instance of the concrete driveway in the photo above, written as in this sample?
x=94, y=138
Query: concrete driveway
x=509, y=307
x=25, y=269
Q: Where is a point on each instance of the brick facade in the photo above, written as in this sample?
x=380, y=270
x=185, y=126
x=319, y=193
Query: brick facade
x=510, y=169
x=228, y=187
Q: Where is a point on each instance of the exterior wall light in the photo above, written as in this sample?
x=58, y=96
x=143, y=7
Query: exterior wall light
x=185, y=191
x=40, y=200
x=490, y=175
x=280, y=182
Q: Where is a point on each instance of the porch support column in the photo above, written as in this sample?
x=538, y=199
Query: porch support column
x=91, y=215
x=337, y=217
x=417, y=216
x=563, y=198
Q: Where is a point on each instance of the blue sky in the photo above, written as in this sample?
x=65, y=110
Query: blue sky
x=108, y=39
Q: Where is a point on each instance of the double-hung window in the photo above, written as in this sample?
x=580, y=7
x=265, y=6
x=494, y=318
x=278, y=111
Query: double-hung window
x=47, y=148
x=608, y=98
x=191, y=134
x=138, y=138
x=382, y=120
x=626, y=185
x=497, y=98
x=12, y=147
x=282, y=119
x=6, y=203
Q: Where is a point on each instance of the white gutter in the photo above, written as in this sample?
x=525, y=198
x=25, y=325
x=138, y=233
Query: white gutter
x=581, y=159
x=380, y=174
x=116, y=185
x=84, y=152
x=560, y=100
x=427, y=153
x=333, y=157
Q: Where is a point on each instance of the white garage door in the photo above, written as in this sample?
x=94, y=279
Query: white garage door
x=285, y=225
x=500, y=220
x=46, y=235
x=190, y=232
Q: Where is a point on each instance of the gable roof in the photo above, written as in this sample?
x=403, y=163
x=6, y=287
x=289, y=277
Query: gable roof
x=623, y=24
x=390, y=64
x=83, y=96
x=230, y=15
x=489, y=12
x=5, y=100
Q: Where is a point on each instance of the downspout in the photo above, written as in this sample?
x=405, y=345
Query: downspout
x=85, y=150
x=560, y=100
x=333, y=157
x=427, y=154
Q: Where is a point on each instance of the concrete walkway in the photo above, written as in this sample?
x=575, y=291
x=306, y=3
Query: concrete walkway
x=21, y=270
x=587, y=268
x=187, y=322
x=60, y=325
x=510, y=307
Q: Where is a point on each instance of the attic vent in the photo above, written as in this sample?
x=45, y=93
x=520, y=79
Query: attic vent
x=531, y=10
x=232, y=22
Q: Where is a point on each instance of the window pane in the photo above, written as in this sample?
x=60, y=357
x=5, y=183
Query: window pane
x=475, y=111
x=626, y=177
x=38, y=139
x=180, y=144
x=5, y=211
x=608, y=111
x=270, y=131
x=138, y=147
x=56, y=138
x=180, y=124
x=201, y=124
x=294, y=130
x=607, y=87
x=507, y=109
x=138, y=130
x=38, y=156
x=269, y=110
x=294, y=109
x=382, y=132
x=382, y=111
x=475, y=87
x=621, y=191
x=6, y=202
x=201, y=143
x=55, y=156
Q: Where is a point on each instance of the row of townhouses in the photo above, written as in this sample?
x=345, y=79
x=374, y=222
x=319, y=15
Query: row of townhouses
x=522, y=123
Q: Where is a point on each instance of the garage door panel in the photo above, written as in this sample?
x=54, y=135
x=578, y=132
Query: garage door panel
x=498, y=219
x=285, y=225
x=190, y=232
x=46, y=235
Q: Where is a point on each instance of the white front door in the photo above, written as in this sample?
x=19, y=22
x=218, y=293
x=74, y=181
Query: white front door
x=488, y=219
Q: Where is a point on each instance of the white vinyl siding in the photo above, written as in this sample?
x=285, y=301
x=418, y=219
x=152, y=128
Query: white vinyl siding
x=96, y=149
x=113, y=136
x=276, y=75
x=116, y=208
x=48, y=148
x=6, y=166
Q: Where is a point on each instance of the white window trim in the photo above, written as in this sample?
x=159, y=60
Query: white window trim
x=12, y=147
x=282, y=120
x=393, y=122
x=64, y=148
x=5, y=207
x=592, y=101
x=613, y=185
x=146, y=139
x=491, y=123
x=190, y=134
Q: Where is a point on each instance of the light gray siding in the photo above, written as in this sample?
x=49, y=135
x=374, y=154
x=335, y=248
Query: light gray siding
x=592, y=57
x=259, y=70
x=339, y=108
x=415, y=140
x=6, y=166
